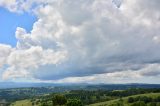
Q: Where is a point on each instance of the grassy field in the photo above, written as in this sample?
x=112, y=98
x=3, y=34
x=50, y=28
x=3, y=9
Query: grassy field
x=124, y=100
x=26, y=102
x=22, y=103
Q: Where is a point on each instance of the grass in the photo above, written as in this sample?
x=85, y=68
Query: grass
x=22, y=103
x=124, y=100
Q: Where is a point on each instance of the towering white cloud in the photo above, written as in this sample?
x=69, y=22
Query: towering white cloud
x=5, y=51
x=76, y=38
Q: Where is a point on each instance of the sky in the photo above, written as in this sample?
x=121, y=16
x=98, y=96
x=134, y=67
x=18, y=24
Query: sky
x=80, y=41
x=10, y=21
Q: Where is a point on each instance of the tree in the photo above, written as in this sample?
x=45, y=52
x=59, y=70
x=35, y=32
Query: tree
x=152, y=104
x=142, y=103
x=145, y=99
x=130, y=100
x=139, y=103
x=74, y=102
x=135, y=104
x=59, y=100
x=32, y=103
x=44, y=104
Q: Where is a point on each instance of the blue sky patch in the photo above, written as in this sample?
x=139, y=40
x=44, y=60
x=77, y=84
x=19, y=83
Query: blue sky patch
x=10, y=21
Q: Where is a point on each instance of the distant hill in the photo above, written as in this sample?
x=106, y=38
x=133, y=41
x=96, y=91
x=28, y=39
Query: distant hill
x=5, y=85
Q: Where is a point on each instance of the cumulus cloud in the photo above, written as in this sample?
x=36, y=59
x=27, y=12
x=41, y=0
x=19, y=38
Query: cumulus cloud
x=14, y=73
x=86, y=38
x=5, y=51
x=20, y=6
x=26, y=61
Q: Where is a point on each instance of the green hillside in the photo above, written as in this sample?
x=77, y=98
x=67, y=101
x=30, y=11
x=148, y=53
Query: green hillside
x=129, y=97
x=124, y=101
x=117, y=102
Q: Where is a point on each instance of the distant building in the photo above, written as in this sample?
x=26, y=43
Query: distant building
x=3, y=102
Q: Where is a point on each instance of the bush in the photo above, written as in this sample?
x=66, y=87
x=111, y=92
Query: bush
x=140, y=103
x=152, y=104
x=74, y=102
x=59, y=100
x=145, y=99
x=130, y=100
